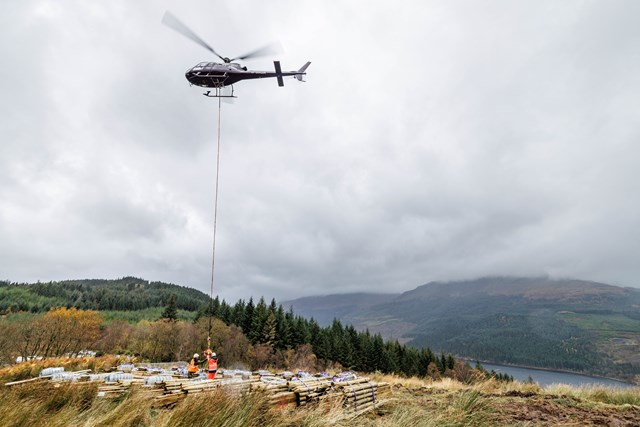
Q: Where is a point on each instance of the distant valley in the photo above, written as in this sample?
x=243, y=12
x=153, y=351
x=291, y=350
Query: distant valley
x=571, y=325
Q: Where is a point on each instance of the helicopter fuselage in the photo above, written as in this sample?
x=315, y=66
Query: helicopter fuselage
x=216, y=75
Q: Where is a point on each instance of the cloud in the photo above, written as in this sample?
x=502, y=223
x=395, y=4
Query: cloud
x=432, y=141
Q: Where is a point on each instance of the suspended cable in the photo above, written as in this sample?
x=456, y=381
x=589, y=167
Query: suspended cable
x=215, y=221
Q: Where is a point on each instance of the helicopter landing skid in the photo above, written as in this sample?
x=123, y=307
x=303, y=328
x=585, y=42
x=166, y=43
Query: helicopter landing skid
x=219, y=94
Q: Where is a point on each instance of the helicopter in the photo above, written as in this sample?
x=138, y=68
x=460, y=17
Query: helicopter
x=220, y=75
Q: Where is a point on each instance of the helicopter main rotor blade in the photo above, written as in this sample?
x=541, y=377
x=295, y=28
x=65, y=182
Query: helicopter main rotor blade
x=172, y=22
x=270, y=49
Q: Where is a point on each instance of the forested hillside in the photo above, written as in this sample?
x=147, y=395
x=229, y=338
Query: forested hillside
x=128, y=293
x=562, y=324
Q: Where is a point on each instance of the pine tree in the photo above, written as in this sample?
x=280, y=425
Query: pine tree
x=377, y=354
x=259, y=317
x=237, y=313
x=269, y=330
x=451, y=363
x=424, y=358
x=247, y=321
x=171, y=312
x=366, y=362
x=443, y=363
x=283, y=336
x=224, y=312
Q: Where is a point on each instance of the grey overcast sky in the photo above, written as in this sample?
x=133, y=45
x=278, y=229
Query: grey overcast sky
x=434, y=140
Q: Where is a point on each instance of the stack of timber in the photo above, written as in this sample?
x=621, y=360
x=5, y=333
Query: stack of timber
x=311, y=389
x=276, y=389
x=361, y=395
x=114, y=387
x=175, y=390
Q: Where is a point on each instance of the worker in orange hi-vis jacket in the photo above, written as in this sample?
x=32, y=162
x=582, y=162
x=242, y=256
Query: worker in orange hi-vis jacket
x=192, y=369
x=212, y=363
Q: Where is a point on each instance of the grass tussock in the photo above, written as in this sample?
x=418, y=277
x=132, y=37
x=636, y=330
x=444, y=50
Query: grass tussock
x=468, y=408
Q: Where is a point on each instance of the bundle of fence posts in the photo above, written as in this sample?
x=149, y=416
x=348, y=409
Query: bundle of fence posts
x=361, y=395
x=310, y=389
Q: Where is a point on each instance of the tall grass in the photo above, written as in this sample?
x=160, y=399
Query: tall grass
x=134, y=409
x=33, y=404
x=608, y=395
x=218, y=408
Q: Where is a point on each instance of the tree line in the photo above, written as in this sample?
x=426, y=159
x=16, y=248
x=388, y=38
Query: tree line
x=128, y=293
x=270, y=327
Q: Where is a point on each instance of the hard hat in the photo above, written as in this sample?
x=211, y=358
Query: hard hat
x=196, y=355
x=207, y=351
x=213, y=355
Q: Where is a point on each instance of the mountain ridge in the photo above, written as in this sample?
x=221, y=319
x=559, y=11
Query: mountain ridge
x=569, y=324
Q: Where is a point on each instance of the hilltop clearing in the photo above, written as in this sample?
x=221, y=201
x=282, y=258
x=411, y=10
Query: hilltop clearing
x=409, y=402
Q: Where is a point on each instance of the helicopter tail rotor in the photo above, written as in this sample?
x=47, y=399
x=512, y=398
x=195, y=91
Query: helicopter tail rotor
x=276, y=65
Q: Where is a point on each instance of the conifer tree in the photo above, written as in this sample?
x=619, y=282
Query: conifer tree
x=259, y=317
x=237, y=313
x=377, y=353
x=450, y=361
x=443, y=363
x=268, y=335
x=283, y=336
x=171, y=312
x=224, y=312
x=247, y=321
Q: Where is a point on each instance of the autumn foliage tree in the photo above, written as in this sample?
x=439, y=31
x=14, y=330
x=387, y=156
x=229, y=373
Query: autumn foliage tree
x=69, y=330
x=57, y=332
